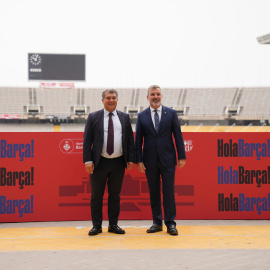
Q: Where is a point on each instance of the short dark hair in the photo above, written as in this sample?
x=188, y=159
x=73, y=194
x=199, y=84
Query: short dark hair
x=154, y=86
x=111, y=91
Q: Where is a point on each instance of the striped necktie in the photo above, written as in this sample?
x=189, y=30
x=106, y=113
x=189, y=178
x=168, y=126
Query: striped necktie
x=156, y=121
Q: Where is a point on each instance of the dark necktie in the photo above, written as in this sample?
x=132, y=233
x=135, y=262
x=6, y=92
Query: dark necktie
x=110, y=141
x=156, y=120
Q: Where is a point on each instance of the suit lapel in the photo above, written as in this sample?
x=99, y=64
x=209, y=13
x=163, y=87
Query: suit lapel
x=122, y=121
x=163, y=118
x=101, y=124
x=150, y=120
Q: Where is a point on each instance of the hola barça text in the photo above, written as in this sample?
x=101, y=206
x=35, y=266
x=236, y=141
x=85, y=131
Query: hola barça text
x=243, y=149
x=243, y=176
x=16, y=150
x=243, y=203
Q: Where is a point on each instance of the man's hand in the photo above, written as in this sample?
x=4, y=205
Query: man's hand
x=140, y=167
x=89, y=167
x=181, y=163
x=130, y=165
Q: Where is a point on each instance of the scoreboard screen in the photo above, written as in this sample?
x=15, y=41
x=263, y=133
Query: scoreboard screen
x=56, y=67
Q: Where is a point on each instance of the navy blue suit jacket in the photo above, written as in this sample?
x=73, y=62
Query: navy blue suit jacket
x=159, y=145
x=94, y=137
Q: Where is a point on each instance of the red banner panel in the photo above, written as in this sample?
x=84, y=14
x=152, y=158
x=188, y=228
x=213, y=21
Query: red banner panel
x=42, y=178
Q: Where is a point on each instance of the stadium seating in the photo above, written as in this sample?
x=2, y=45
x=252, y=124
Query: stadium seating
x=208, y=101
x=13, y=100
x=190, y=103
x=57, y=103
x=255, y=102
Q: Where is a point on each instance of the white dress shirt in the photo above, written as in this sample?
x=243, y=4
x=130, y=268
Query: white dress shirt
x=159, y=109
x=117, y=127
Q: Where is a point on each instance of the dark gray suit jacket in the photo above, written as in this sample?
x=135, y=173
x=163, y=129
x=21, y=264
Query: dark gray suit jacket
x=94, y=137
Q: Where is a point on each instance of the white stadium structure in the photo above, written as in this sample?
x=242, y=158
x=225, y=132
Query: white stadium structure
x=66, y=109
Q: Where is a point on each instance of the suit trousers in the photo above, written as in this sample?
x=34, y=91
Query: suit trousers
x=154, y=176
x=110, y=171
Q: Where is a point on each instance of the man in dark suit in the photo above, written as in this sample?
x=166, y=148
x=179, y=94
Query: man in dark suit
x=154, y=129
x=108, y=149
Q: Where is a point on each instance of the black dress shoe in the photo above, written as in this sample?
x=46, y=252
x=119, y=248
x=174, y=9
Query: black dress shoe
x=115, y=229
x=155, y=228
x=95, y=230
x=172, y=230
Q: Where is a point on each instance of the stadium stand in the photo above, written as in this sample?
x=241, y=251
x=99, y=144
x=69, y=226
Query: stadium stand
x=92, y=99
x=255, y=103
x=13, y=100
x=201, y=107
x=211, y=102
x=56, y=103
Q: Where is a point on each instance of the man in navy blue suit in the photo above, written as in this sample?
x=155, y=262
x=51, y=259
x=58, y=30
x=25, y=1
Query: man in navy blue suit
x=156, y=156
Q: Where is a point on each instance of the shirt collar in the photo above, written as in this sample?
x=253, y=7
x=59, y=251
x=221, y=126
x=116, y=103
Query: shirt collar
x=107, y=112
x=159, y=109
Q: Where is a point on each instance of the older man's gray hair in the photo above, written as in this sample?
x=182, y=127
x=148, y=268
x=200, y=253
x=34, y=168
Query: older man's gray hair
x=154, y=86
x=111, y=91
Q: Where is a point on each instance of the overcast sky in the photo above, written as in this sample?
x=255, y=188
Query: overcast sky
x=172, y=43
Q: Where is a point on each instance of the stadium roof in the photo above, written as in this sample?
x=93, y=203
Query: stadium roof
x=264, y=39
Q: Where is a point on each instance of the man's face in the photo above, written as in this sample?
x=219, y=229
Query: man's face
x=154, y=97
x=110, y=101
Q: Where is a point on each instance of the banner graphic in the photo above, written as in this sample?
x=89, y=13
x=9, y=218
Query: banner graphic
x=42, y=178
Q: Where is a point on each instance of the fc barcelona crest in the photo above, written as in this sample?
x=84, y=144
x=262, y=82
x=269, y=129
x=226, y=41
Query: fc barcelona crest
x=188, y=145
